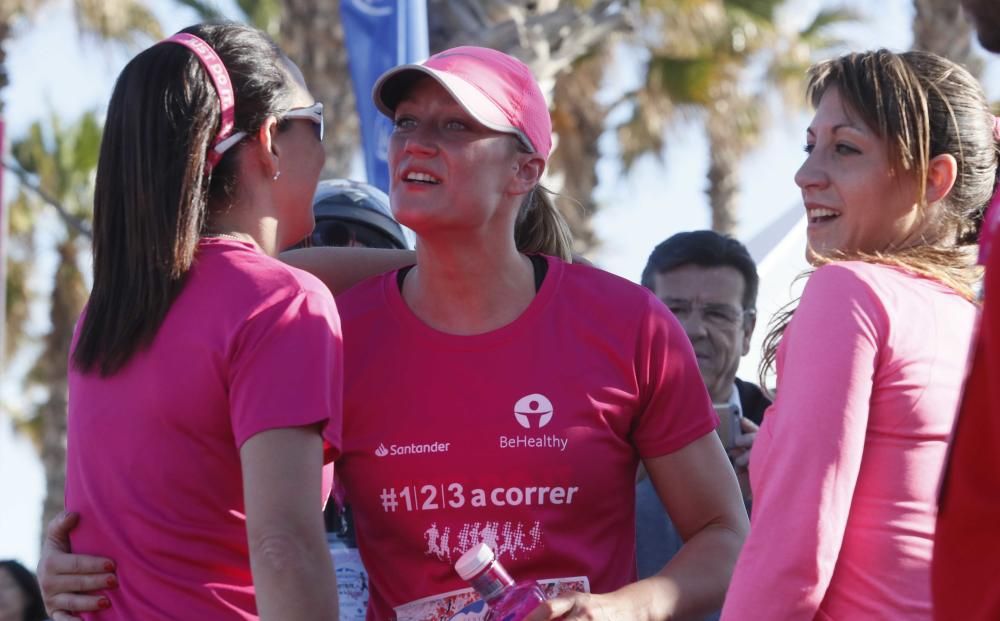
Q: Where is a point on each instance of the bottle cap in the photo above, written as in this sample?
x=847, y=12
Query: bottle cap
x=474, y=561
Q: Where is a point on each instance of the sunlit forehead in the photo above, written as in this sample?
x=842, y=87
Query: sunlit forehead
x=833, y=117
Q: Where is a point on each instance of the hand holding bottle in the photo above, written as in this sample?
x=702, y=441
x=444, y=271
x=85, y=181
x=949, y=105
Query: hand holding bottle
x=507, y=600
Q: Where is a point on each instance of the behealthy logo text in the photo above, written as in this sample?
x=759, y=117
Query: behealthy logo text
x=533, y=412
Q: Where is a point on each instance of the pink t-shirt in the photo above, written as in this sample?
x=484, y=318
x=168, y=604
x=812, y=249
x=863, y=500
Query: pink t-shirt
x=153, y=463
x=845, y=468
x=526, y=437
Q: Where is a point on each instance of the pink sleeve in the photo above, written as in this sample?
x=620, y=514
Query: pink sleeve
x=815, y=435
x=675, y=408
x=286, y=369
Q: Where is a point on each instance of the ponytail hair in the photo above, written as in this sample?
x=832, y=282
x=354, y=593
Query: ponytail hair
x=153, y=188
x=541, y=228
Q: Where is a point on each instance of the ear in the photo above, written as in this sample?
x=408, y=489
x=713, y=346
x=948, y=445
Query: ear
x=749, y=323
x=528, y=169
x=269, y=151
x=942, y=171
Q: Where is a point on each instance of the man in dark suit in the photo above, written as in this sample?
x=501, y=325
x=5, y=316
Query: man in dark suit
x=709, y=281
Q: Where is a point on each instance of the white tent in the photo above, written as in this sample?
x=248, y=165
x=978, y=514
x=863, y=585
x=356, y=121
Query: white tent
x=780, y=251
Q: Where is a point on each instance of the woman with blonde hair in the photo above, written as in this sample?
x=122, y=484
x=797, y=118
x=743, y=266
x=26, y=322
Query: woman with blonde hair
x=901, y=162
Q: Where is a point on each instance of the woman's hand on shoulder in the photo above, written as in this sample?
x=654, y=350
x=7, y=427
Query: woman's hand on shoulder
x=66, y=579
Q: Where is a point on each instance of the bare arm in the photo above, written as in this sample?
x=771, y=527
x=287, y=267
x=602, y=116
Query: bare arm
x=342, y=268
x=700, y=492
x=292, y=570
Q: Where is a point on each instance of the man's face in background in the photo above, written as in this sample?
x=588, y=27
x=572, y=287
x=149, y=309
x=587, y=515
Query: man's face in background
x=708, y=302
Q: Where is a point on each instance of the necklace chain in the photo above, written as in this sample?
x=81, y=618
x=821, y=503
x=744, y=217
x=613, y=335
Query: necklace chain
x=226, y=236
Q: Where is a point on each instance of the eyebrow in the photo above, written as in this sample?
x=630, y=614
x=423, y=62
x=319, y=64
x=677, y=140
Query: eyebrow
x=710, y=305
x=836, y=128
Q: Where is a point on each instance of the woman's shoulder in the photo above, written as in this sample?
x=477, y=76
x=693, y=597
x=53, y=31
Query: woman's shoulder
x=886, y=282
x=611, y=300
x=258, y=277
x=588, y=279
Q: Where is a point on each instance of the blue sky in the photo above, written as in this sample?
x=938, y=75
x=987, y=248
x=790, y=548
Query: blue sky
x=53, y=69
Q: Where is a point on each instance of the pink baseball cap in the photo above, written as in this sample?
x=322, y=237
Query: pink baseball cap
x=496, y=89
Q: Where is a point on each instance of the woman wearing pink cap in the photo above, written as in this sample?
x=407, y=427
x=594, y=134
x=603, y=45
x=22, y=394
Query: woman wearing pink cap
x=496, y=393
x=190, y=410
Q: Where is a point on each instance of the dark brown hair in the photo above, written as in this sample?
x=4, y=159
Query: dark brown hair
x=923, y=106
x=152, y=194
x=34, y=605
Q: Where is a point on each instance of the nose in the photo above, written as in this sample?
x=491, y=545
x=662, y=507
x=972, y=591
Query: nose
x=811, y=174
x=694, y=325
x=418, y=141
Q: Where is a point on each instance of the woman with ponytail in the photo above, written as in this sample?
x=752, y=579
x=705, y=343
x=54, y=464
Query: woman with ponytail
x=495, y=392
x=901, y=163
x=195, y=453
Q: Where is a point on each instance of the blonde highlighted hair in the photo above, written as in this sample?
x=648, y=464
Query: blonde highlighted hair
x=541, y=228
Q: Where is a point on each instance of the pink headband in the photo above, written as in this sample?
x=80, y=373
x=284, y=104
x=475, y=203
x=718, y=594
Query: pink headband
x=223, y=86
x=991, y=218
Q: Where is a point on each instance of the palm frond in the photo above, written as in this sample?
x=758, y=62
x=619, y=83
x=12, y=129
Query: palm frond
x=263, y=14
x=123, y=21
x=207, y=11
x=683, y=80
x=763, y=10
x=821, y=34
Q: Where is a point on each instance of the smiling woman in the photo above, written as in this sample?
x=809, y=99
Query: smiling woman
x=545, y=410
x=900, y=165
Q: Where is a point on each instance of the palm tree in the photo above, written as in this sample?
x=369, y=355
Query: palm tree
x=941, y=27
x=312, y=36
x=700, y=56
x=59, y=164
x=114, y=20
x=578, y=121
x=57, y=167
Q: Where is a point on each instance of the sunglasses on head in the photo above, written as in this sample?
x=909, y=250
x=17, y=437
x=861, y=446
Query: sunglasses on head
x=312, y=113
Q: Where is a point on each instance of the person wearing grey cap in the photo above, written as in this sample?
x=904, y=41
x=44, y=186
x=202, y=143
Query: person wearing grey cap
x=351, y=213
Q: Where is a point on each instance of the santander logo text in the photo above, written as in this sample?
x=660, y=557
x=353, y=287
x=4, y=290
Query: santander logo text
x=414, y=448
x=533, y=411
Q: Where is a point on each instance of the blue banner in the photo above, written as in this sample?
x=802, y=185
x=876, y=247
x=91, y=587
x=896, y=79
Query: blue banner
x=379, y=35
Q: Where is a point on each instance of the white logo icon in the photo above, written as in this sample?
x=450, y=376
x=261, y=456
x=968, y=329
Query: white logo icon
x=381, y=451
x=535, y=408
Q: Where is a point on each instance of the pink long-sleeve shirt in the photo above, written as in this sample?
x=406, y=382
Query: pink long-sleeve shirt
x=845, y=468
